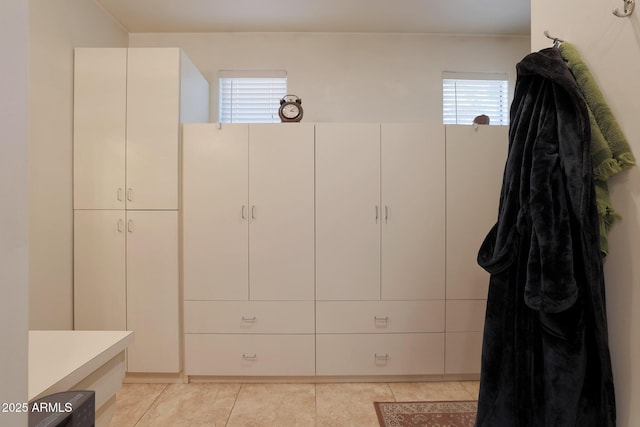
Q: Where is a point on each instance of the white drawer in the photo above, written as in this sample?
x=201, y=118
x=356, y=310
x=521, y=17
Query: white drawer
x=466, y=315
x=249, y=317
x=380, y=354
x=379, y=316
x=236, y=355
x=464, y=352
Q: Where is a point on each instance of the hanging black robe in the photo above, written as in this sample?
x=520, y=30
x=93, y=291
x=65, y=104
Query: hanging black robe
x=545, y=356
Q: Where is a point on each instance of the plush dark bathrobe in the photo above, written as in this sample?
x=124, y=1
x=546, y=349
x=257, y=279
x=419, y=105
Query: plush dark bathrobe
x=545, y=357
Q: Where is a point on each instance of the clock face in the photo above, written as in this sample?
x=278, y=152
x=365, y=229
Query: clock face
x=290, y=111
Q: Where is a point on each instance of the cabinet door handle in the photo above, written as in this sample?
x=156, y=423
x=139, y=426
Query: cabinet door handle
x=243, y=212
x=377, y=213
x=253, y=211
x=130, y=194
x=120, y=226
x=386, y=214
x=130, y=226
x=246, y=356
x=120, y=193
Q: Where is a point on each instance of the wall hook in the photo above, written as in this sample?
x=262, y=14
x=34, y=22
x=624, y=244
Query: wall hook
x=556, y=41
x=629, y=5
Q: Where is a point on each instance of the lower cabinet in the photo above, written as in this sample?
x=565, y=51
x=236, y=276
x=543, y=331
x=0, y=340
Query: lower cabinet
x=380, y=337
x=126, y=277
x=380, y=354
x=249, y=354
x=463, y=341
x=255, y=338
x=463, y=353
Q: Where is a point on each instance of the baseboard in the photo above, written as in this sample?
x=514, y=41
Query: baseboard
x=153, y=378
x=331, y=379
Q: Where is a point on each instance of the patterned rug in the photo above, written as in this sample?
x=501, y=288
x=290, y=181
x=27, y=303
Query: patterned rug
x=426, y=414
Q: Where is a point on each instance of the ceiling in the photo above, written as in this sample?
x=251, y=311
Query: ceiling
x=502, y=17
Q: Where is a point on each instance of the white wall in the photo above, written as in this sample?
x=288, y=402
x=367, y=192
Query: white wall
x=14, y=44
x=610, y=46
x=351, y=77
x=56, y=27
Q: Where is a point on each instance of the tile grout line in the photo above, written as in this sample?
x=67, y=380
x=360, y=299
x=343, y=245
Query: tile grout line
x=315, y=399
x=395, y=399
x=151, y=404
x=234, y=404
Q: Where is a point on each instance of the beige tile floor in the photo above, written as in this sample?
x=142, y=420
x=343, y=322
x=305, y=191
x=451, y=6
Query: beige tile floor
x=272, y=405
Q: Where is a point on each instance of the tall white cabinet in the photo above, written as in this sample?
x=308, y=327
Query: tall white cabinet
x=248, y=236
x=380, y=221
x=128, y=108
x=475, y=165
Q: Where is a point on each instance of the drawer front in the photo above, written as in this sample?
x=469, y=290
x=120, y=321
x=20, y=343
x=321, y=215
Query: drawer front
x=465, y=315
x=249, y=317
x=254, y=355
x=464, y=352
x=380, y=354
x=362, y=317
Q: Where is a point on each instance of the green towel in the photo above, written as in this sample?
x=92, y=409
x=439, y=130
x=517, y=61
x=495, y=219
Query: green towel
x=610, y=150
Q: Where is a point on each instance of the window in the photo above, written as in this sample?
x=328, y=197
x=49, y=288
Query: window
x=250, y=97
x=468, y=95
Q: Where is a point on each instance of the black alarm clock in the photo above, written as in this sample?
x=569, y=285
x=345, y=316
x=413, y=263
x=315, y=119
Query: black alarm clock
x=290, y=109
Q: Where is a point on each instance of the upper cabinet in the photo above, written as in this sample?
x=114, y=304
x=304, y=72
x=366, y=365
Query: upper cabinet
x=380, y=211
x=348, y=211
x=129, y=104
x=475, y=165
x=248, y=212
x=413, y=214
x=99, y=128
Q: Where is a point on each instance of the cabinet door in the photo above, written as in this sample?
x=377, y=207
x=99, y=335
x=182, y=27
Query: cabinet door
x=152, y=291
x=348, y=211
x=99, y=283
x=100, y=91
x=215, y=212
x=475, y=164
x=413, y=212
x=153, y=108
x=281, y=231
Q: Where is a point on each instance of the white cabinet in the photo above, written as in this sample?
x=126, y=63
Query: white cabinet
x=125, y=277
x=412, y=209
x=99, y=270
x=347, y=211
x=380, y=211
x=128, y=106
x=380, y=354
x=248, y=221
x=249, y=355
x=475, y=164
x=399, y=217
x=281, y=212
x=248, y=249
x=380, y=227
x=153, y=303
x=99, y=128
x=215, y=194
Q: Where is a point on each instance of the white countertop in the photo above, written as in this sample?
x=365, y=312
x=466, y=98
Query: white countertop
x=58, y=360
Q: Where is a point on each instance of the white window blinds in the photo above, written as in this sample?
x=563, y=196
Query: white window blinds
x=466, y=96
x=250, y=99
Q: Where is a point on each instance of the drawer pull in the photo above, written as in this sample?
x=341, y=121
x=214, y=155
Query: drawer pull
x=246, y=356
x=381, y=357
x=384, y=319
x=249, y=319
